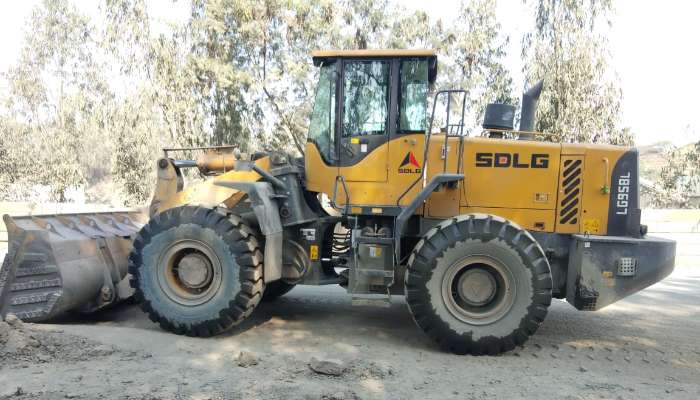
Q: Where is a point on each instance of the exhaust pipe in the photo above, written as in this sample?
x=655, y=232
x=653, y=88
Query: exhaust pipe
x=527, y=112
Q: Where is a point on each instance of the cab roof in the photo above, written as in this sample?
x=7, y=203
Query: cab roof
x=372, y=53
x=319, y=56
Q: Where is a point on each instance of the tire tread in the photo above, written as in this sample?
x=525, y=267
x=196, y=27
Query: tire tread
x=241, y=241
x=483, y=227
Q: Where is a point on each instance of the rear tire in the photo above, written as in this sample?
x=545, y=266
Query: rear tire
x=276, y=289
x=197, y=271
x=478, y=284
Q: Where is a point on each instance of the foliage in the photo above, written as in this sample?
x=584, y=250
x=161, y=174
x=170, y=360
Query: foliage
x=253, y=57
x=91, y=99
x=475, y=54
x=580, y=101
x=680, y=177
x=51, y=114
x=252, y=63
x=135, y=148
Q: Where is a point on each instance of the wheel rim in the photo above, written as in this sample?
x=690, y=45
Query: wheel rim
x=478, y=290
x=189, y=272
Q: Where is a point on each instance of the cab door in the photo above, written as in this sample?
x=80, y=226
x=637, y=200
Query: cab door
x=363, y=125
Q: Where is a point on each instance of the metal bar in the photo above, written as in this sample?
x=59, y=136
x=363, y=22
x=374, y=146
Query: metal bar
x=447, y=133
x=425, y=151
x=270, y=178
x=185, y=163
x=335, y=195
x=166, y=150
x=460, y=156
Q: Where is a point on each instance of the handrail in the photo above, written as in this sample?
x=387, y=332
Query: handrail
x=448, y=125
x=335, y=193
x=429, y=133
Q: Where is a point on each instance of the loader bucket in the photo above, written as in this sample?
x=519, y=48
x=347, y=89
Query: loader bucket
x=69, y=262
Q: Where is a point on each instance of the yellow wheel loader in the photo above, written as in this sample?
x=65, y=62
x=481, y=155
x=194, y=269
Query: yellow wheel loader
x=392, y=197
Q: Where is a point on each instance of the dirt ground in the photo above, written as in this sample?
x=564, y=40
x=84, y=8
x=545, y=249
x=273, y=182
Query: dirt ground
x=644, y=347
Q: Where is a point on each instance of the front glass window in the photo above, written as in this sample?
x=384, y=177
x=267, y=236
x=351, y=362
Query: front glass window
x=413, y=96
x=366, y=97
x=323, y=115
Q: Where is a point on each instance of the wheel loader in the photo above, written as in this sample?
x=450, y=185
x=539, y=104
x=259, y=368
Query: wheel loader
x=478, y=231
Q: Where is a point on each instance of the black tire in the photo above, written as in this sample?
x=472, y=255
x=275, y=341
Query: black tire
x=232, y=285
x=499, y=314
x=275, y=290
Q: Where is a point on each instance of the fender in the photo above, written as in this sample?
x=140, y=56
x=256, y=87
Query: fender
x=268, y=215
x=228, y=188
x=169, y=192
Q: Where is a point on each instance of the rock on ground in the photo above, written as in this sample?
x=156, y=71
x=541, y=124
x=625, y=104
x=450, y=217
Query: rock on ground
x=246, y=359
x=326, y=367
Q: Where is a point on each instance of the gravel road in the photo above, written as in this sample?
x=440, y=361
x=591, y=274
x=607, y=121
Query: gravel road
x=644, y=347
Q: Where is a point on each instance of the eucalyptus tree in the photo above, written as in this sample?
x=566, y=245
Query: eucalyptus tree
x=581, y=101
x=679, y=177
x=475, y=53
x=235, y=72
x=52, y=112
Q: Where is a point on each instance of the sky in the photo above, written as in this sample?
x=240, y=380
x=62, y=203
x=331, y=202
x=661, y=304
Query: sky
x=653, y=47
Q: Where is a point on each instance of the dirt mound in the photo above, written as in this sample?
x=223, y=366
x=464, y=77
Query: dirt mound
x=22, y=342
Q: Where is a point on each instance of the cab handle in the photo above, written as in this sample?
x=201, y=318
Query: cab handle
x=605, y=189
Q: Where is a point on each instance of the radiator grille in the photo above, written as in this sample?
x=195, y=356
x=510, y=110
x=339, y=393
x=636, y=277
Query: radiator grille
x=571, y=192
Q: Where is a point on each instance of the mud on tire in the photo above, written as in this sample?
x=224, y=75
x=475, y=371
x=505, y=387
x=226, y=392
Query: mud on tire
x=495, y=316
x=197, y=271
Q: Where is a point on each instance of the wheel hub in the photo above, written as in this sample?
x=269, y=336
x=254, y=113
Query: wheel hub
x=477, y=287
x=195, y=271
x=189, y=272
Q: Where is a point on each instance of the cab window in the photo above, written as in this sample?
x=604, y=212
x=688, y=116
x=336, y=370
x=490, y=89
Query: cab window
x=413, y=96
x=366, y=94
x=321, y=126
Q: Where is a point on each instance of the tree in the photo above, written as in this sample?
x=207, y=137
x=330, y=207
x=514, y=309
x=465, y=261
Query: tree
x=160, y=104
x=85, y=103
x=579, y=102
x=53, y=104
x=253, y=57
x=135, y=149
x=252, y=61
x=474, y=56
x=680, y=177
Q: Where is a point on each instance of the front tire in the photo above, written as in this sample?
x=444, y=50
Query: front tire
x=478, y=284
x=197, y=271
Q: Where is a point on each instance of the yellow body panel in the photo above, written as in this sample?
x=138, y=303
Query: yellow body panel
x=529, y=194
x=599, y=162
x=445, y=202
x=510, y=187
x=362, y=179
x=208, y=193
x=525, y=195
x=378, y=159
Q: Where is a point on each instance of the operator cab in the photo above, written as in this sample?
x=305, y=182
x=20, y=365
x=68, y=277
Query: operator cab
x=365, y=98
